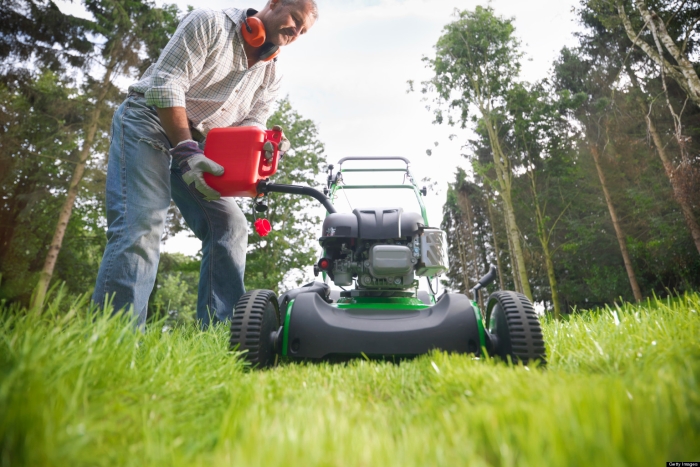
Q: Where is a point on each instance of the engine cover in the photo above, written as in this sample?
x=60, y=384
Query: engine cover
x=379, y=223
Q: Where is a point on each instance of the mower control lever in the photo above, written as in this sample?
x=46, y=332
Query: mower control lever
x=484, y=281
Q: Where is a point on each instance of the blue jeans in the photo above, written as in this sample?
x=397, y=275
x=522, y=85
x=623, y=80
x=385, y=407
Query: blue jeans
x=141, y=180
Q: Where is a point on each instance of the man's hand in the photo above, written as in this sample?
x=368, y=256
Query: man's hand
x=283, y=146
x=193, y=163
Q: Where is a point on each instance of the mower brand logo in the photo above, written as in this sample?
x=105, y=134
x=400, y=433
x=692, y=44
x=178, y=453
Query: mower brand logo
x=330, y=232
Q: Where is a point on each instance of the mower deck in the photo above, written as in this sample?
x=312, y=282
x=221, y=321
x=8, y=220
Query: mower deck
x=315, y=329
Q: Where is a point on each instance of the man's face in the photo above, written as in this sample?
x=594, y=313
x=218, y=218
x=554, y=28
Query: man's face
x=284, y=23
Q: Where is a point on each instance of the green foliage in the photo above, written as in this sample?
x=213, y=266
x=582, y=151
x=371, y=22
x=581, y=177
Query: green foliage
x=79, y=389
x=283, y=257
x=547, y=131
x=39, y=139
x=48, y=112
x=470, y=230
x=175, y=289
x=476, y=61
x=37, y=31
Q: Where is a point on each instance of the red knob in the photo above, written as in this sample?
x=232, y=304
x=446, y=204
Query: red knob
x=262, y=227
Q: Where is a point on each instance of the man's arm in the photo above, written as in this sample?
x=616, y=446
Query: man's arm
x=186, y=153
x=175, y=124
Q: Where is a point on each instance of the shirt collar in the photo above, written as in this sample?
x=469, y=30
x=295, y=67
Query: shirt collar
x=236, y=15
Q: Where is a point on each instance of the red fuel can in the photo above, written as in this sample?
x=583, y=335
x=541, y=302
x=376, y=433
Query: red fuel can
x=240, y=151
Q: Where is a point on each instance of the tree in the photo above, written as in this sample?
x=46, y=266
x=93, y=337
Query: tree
x=127, y=29
x=276, y=259
x=40, y=121
x=661, y=46
x=644, y=52
x=540, y=136
x=39, y=117
x=37, y=31
x=581, y=77
x=477, y=61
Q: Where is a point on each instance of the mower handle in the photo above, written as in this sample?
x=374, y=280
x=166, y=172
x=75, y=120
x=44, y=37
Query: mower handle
x=265, y=187
x=393, y=158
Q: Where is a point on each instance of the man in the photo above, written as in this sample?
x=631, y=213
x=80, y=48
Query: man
x=208, y=76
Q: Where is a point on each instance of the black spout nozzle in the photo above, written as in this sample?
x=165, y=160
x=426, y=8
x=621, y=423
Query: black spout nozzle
x=265, y=186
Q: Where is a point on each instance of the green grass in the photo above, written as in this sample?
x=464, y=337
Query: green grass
x=621, y=388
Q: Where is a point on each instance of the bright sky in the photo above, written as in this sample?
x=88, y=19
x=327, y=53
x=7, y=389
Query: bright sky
x=349, y=73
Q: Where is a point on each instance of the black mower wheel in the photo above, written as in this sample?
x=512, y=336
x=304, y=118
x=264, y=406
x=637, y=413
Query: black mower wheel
x=514, y=328
x=255, y=326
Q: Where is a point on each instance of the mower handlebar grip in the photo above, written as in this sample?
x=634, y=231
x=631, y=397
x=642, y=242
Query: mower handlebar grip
x=489, y=277
x=390, y=158
x=485, y=280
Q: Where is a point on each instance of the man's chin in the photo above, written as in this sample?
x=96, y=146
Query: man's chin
x=280, y=40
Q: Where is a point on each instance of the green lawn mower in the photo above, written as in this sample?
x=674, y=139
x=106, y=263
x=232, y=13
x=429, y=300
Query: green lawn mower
x=376, y=256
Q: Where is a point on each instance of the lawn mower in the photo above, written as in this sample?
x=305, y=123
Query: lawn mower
x=375, y=256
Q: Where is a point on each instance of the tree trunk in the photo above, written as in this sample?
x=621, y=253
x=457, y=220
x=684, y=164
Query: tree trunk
x=513, y=263
x=543, y=235
x=658, y=28
x=462, y=258
x=73, y=188
x=552, y=281
x=616, y=225
x=668, y=166
x=465, y=205
x=504, y=177
x=687, y=78
x=677, y=192
x=495, y=243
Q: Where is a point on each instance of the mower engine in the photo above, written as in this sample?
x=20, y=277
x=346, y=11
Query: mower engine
x=383, y=249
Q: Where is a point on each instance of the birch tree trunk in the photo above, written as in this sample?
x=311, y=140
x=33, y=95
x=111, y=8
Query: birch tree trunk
x=684, y=73
x=544, y=235
x=616, y=225
x=668, y=165
x=677, y=193
x=73, y=188
x=503, y=176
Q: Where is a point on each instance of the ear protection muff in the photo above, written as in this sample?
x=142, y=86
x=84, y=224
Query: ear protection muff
x=253, y=32
x=269, y=51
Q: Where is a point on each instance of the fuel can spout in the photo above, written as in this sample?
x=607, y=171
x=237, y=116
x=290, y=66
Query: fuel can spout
x=265, y=186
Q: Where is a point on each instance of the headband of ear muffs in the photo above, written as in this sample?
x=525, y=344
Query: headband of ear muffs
x=253, y=32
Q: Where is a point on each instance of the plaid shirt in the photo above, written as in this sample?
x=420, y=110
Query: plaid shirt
x=205, y=69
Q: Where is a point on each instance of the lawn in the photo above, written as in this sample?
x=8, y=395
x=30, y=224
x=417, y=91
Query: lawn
x=622, y=387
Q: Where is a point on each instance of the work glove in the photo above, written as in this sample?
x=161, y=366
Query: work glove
x=193, y=163
x=283, y=146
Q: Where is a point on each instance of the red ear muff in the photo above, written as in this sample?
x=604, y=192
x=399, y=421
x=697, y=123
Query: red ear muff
x=253, y=31
x=269, y=51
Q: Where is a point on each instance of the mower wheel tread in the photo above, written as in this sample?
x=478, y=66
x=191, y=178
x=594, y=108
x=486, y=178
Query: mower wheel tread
x=522, y=340
x=256, y=315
